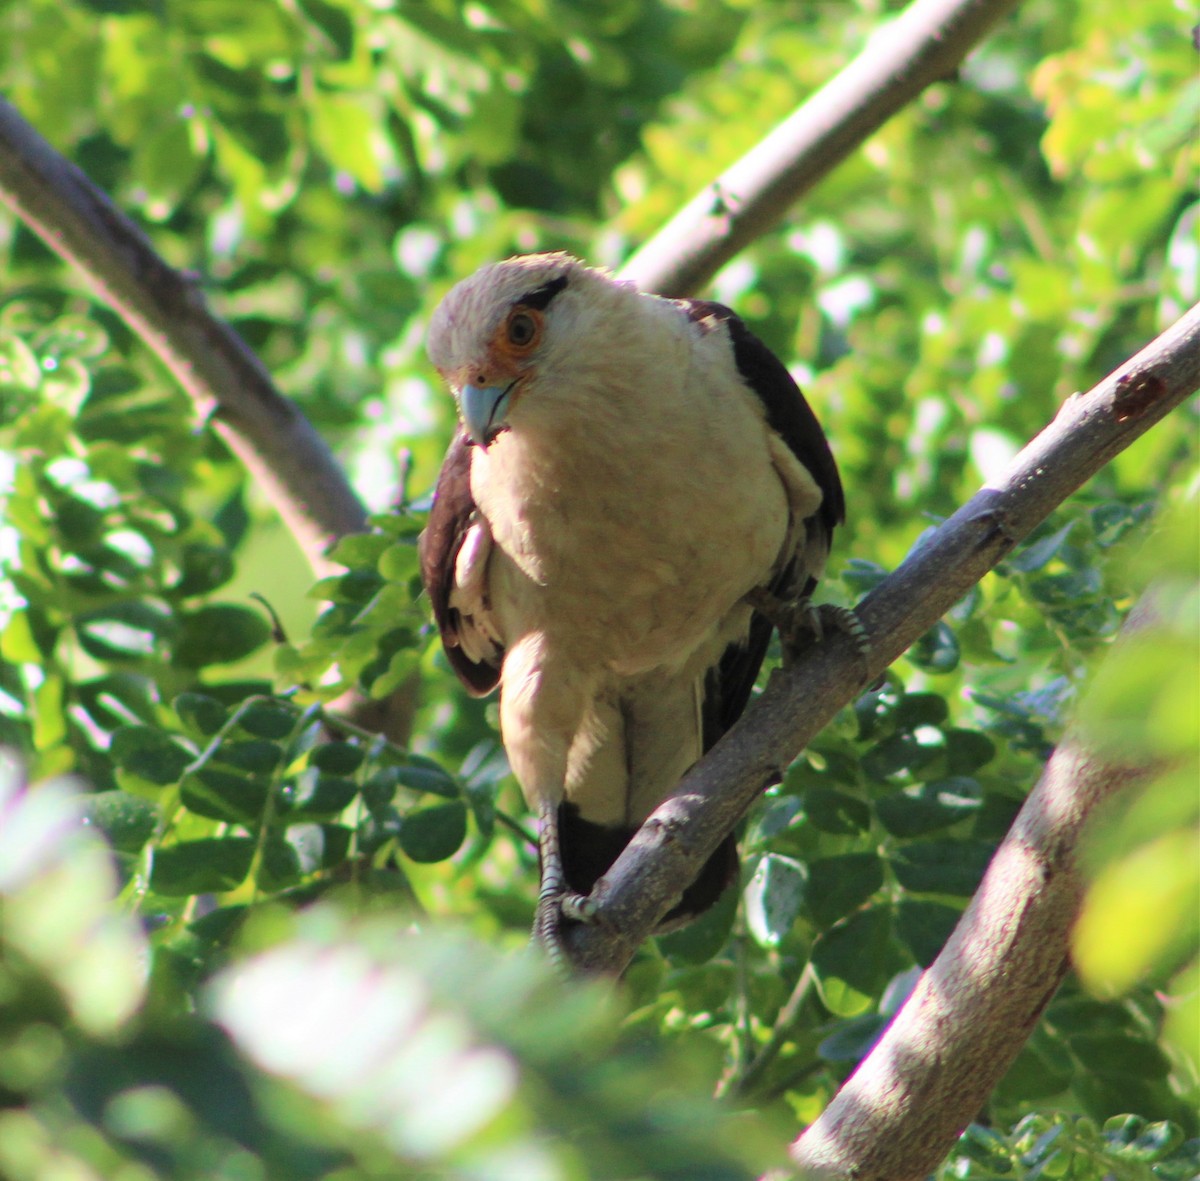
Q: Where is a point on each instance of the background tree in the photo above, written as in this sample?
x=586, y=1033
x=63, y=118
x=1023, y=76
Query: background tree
x=325, y=171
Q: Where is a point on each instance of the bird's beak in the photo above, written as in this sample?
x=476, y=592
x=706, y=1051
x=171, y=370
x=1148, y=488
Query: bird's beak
x=483, y=409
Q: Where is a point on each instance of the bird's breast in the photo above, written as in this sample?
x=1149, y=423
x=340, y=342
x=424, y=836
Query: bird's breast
x=633, y=550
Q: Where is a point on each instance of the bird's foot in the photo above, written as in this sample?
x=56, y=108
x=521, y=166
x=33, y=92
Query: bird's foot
x=552, y=909
x=801, y=622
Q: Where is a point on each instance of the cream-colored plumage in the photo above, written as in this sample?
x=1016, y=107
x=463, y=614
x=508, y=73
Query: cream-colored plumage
x=626, y=497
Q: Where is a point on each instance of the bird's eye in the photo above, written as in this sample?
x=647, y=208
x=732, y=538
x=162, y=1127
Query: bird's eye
x=522, y=328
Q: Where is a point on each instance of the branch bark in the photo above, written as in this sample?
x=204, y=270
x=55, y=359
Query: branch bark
x=925, y=44
x=671, y=846
x=228, y=384
x=898, y=1115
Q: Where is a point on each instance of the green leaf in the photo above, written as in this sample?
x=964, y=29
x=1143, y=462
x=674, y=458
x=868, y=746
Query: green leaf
x=204, y=568
x=338, y=758
x=334, y=22
x=930, y=806
x=853, y=1038
x=255, y=755
x=967, y=751
x=435, y=833
x=850, y=961
x=219, y=634
x=1120, y=1055
x=316, y=794
x=941, y=867
x=837, y=885
x=268, y=719
x=836, y=812
x=894, y=755
x=923, y=927
x=201, y=714
x=222, y=795
x=212, y=865
x=936, y=651
x=128, y=821
x=130, y=630
x=428, y=777
x=773, y=898
x=920, y=709
x=1039, y=554
x=150, y=754
x=399, y=563
x=704, y=938
x=360, y=550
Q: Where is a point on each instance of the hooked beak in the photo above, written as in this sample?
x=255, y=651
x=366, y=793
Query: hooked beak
x=483, y=409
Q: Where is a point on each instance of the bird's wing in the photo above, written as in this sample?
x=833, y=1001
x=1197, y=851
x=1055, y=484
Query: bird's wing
x=454, y=551
x=728, y=683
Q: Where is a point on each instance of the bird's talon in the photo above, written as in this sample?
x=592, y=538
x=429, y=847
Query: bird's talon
x=582, y=908
x=552, y=909
x=801, y=621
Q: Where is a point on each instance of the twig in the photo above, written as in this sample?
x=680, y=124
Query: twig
x=232, y=391
x=745, y=1081
x=672, y=845
x=924, y=45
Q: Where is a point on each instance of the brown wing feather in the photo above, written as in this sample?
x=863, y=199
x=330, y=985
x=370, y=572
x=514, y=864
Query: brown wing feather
x=449, y=519
x=730, y=682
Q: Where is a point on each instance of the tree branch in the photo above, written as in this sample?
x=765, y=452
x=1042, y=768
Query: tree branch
x=900, y=1112
x=925, y=44
x=232, y=391
x=671, y=846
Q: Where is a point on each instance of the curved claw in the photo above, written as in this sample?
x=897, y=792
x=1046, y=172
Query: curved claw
x=552, y=909
x=801, y=621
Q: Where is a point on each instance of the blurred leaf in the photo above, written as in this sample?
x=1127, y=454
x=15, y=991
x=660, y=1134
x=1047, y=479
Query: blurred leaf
x=837, y=885
x=210, y=865
x=58, y=883
x=128, y=821
x=219, y=634
x=928, y=807
x=850, y=960
x=773, y=898
x=150, y=754
x=836, y=812
x=435, y=833
x=941, y=867
x=923, y=927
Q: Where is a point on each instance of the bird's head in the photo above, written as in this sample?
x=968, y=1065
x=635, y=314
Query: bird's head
x=509, y=325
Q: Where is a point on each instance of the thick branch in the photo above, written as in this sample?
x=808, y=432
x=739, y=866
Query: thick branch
x=672, y=845
x=927, y=1078
x=281, y=450
x=925, y=44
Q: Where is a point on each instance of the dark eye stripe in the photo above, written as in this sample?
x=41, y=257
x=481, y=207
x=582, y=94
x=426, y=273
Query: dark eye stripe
x=541, y=298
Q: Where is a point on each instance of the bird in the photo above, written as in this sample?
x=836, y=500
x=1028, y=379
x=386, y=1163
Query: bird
x=635, y=483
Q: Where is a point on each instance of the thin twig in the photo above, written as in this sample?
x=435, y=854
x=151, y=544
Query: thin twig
x=746, y=1080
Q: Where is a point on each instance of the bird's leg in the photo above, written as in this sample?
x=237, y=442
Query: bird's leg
x=801, y=622
x=555, y=901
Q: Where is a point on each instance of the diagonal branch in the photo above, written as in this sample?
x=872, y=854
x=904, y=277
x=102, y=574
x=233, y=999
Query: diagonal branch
x=924, y=45
x=231, y=389
x=673, y=844
x=901, y=1111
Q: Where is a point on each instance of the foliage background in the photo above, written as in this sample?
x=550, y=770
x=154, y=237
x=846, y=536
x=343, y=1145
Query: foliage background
x=329, y=169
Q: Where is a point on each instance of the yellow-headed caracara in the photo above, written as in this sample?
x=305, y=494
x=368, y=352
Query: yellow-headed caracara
x=629, y=470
